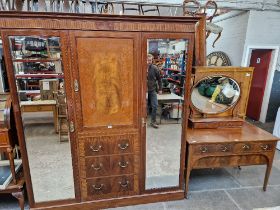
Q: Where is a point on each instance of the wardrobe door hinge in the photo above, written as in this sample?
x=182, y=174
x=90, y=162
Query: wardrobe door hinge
x=76, y=85
x=72, y=127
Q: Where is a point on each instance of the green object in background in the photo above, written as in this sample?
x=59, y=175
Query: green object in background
x=201, y=89
x=210, y=90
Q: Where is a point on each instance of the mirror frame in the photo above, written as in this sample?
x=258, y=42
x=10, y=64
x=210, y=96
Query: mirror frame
x=18, y=115
x=227, y=109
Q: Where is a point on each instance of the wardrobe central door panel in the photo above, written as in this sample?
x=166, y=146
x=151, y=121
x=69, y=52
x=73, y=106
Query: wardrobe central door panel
x=106, y=76
x=106, y=86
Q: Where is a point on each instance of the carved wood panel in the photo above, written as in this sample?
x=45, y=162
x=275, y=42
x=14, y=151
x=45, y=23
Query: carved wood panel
x=106, y=68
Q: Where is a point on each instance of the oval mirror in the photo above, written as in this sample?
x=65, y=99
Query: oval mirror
x=215, y=94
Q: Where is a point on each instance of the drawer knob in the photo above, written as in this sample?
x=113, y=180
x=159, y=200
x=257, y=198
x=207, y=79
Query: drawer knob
x=264, y=147
x=123, y=146
x=96, y=187
x=97, y=168
x=203, y=149
x=224, y=149
x=246, y=147
x=124, y=185
x=123, y=164
x=95, y=148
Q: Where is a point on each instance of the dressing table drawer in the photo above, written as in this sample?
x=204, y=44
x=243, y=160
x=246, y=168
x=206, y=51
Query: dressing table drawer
x=253, y=147
x=122, y=164
x=224, y=148
x=265, y=146
x=204, y=149
x=97, y=166
x=212, y=149
x=243, y=147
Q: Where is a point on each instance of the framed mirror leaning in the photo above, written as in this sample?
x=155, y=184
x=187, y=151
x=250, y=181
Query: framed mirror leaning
x=215, y=94
x=38, y=77
x=167, y=73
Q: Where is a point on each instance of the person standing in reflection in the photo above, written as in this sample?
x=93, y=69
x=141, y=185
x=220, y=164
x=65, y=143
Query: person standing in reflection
x=154, y=86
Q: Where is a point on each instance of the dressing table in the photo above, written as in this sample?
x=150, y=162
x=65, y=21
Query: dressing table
x=218, y=139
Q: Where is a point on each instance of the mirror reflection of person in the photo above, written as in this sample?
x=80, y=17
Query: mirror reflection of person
x=154, y=85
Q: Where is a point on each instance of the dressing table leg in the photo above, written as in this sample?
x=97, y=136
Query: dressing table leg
x=20, y=197
x=12, y=164
x=267, y=173
x=188, y=172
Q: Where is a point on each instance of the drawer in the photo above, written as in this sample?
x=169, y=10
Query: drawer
x=224, y=148
x=253, y=147
x=122, y=145
x=97, y=166
x=213, y=148
x=243, y=147
x=122, y=164
x=98, y=187
x=204, y=149
x=122, y=185
x=96, y=146
x=264, y=146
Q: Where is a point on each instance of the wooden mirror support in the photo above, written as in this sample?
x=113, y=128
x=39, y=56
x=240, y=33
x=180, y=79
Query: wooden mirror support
x=235, y=114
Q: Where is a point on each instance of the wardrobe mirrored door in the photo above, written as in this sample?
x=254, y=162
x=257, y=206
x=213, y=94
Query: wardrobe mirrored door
x=39, y=78
x=166, y=73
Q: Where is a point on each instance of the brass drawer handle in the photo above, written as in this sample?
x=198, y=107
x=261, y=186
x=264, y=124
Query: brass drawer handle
x=124, y=185
x=265, y=147
x=203, y=149
x=123, y=146
x=97, y=168
x=123, y=164
x=95, y=148
x=224, y=149
x=246, y=147
x=98, y=187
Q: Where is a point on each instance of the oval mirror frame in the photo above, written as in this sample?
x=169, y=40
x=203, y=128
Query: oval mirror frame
x=215, y=97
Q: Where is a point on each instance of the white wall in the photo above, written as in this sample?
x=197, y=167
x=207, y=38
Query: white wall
x=233, y=36
x=264, y=30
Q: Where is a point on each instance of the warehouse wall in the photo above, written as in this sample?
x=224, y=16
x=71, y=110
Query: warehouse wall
x=263, y=32
x=233, y=36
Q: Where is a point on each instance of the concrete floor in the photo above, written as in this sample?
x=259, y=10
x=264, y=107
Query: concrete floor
x=218, y=189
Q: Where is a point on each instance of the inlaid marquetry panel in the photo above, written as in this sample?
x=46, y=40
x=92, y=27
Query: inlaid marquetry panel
x=106, y=81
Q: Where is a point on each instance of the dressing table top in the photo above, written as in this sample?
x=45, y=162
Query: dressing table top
x=247, y=132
